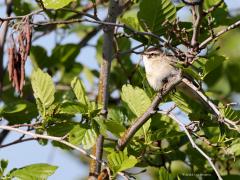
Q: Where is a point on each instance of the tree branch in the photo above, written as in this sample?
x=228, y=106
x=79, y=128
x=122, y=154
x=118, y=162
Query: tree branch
x=126, y=137
x=115, y=9
x=196, y=23
x=220, y=33
x=194, y=145
x=16, y=142
x=60, y=140
x=3, y=40
x=3, y=35
x=212, y=107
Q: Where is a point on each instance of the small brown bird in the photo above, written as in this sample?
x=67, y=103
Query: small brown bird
x=159, y=67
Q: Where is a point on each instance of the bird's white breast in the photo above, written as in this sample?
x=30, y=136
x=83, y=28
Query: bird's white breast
x=158, y=70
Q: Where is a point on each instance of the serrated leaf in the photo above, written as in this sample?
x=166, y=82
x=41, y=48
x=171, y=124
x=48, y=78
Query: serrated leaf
x=34, y=171
x=119, y=161
x=153, y=13
x=138, y=102
x=79, y=91
x=136, y=99
x=84, y=136
x=56, y=4
x=43, y=87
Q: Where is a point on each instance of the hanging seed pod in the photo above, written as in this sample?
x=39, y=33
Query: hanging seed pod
x=18, y=52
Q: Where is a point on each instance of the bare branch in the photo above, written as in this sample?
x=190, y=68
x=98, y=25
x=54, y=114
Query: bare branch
x=60, y=140
x=16, y=142
x=3, y=35
x=114, y=10
x=196, y=23
x=194, y=145
x=220, y=33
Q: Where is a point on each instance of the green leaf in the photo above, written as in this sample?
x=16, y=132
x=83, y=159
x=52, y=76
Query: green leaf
x=34, y=171
x=213, y=63
x=136, y=99
x=115, y=122
x=120, y=161
x=83, y=135
x=153, y=13
x=13, y=108
x=53, y=4
x=43, y=87
x=133, y=23
x=229, y=113
x=65, y=54
x=71, y=108
x=79, y=91
x=164, y=174
x=4, y=164
x=39, y=57
x=18, y=111
x=138, y=102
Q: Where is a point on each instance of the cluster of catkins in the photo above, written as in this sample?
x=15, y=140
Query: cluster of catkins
x=18, y=51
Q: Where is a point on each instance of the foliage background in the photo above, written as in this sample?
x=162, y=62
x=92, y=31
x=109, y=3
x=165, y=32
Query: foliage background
x=69, y=166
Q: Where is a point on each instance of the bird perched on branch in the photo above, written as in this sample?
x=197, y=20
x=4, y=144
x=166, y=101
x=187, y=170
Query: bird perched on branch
x=161, y=70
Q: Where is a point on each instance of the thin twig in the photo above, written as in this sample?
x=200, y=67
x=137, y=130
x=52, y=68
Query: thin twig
x=212, y=107
x=16, y=142
x=60, y=140
x=220, y=33
x=194, y=145
x=196, y=23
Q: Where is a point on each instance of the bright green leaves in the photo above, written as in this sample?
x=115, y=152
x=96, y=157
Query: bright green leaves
x=34, y=171
x=79, y=91
x=56, y=4
x=136, y=99
x=30, y=172
x=83, y=135
x=165, y=175
x=120, y=161
x=90, y=108
x=13, y=108
x=43, y=87
x=137, y=102
x=115, y=122
x=153, y=13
